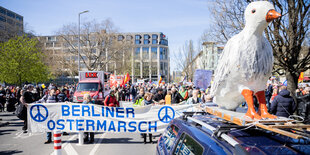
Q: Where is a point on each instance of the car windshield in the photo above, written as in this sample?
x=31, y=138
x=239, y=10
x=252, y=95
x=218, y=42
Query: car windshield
x=87, y=87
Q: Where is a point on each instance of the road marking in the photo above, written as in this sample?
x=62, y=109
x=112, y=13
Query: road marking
x=70, y=150
x=93, y=151
x=22, y=135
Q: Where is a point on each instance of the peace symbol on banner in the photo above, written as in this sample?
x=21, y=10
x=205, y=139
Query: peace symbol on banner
x=163, y=114
x=38, y=113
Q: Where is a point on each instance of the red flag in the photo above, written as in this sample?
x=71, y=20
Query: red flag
x=127, y=78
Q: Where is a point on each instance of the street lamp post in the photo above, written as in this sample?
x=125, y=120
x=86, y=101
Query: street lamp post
x=79, y=39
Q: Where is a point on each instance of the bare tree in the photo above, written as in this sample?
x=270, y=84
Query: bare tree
x=184, y=60
x=99, y=44
x=287, y=35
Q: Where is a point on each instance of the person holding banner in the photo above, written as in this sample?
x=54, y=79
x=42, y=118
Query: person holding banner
x=111, y=100
x=88, y=136
x=159, y=95
x=147, y=100
x=194, y=99
x=50, y=98
x=184, y=93
x=175, y=96
x=139, y=98
x=26, y=99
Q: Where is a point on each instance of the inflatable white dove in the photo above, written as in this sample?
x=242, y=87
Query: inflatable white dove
x=246, y=63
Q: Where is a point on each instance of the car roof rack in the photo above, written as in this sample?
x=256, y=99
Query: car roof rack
x=217, y=132
x=192, y=113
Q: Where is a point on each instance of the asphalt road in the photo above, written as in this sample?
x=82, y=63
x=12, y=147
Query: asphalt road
x=13, y=141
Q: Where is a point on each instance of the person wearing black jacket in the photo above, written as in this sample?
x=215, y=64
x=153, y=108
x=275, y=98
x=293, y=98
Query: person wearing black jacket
x=176, y=96
x=25, y=100
x=283, y=104
x=268, y=94
x=2, y=98
x=159, y=95
x=133, y=92
x=304, y=106
x=62, y=97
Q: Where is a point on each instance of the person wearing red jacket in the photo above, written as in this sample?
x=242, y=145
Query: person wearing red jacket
x=110, y=100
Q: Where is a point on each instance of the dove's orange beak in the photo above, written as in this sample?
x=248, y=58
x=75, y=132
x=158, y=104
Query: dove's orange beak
x=271, y=15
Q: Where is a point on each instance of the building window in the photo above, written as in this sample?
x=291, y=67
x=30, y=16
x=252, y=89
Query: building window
x=145, y=42
x=137, y=53
x=2, y=11
x=10, y=14
x=163, y=53
x=146, y=36
x=161, y=66
x=137, y=42
x=51, y=38
x=120, y=38
x=154, y=69
x=10, y=21
x=154, y=53
x=19, y=25
x=138, y=37
x=2, y=18
x=49, y=45
x=146, y=69
x=145, y=53
x=154, y=36
x=163, y=42
x=20, y=18
x=137, y=69
x=154, y=41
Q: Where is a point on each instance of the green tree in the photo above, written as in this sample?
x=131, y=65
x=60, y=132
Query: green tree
x=21, y=61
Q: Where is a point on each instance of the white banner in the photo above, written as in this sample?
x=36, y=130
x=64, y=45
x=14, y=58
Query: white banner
x=73, y=117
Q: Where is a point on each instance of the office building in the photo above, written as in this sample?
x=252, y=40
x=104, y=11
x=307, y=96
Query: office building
x=147, y=56
x=11, y=24
x=208, y=58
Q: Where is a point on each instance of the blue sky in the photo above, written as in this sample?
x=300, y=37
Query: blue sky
x=180, y=20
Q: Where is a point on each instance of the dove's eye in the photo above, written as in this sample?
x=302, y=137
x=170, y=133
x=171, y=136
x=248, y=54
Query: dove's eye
x=253, y=11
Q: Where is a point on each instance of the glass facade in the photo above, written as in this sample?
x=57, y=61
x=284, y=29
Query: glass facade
x=145, y=42
x=154, y=69
x=146, y=36
x=137, y=53
x=146, y=69
x=137, y=69
x=146, y=39
x=163, y=53
x=163, y=42
x=10, y=14
x=137, y=39
x=20, y=18
x=137, y=42
x=145, y=53
x=2, y=18
x=154, y=53
x=154, y=41
x=2, y=11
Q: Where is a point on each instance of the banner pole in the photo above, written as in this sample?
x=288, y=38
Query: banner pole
x=81, y=138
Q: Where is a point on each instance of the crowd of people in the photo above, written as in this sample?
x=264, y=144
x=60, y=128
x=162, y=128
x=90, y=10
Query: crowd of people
x=279, y=100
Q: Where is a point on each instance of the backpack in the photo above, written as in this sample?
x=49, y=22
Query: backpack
x=21, y=111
